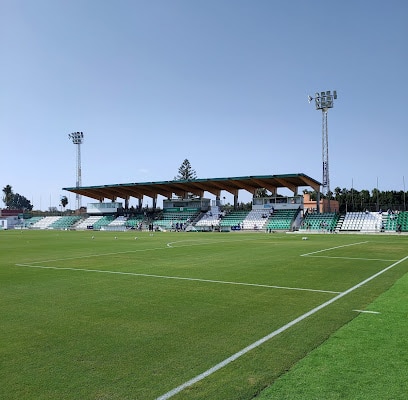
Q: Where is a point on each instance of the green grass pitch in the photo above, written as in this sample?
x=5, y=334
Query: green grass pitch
x=134, y=315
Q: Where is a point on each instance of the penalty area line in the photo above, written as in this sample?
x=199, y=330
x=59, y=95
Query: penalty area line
x=175, y=277
x=252, y=346
x=117, y=253
x=333, y=248
x=354, y=258
x=204, y=242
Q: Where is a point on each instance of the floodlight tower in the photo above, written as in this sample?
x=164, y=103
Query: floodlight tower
x=324, y=101
x=78, y=138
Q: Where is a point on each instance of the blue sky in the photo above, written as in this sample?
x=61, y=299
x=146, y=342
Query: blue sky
x=223, y=83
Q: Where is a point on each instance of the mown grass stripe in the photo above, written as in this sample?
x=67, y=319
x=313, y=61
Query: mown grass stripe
x=176, y=277
x=259, y=342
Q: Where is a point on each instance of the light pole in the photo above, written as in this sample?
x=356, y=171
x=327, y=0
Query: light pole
x=324, y=101
x=78, y=138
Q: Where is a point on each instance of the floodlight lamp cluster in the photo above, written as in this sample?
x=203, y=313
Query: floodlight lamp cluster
x=76, y=137
x=324, y=100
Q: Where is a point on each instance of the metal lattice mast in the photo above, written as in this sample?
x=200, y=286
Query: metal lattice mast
x=78, y=138
x=325, y=154
x=324, y=101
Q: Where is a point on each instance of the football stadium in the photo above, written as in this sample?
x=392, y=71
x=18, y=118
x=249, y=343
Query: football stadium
x=191, y=299
x=255, y=278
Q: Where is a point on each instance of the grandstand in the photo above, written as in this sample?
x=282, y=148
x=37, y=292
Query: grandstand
x=319, y=222
x=190, y=208
x=29, y=222
x=390, y=222
x=395, y=221
x=234, y=220
x=50, y=222
x=45, y=223
x=255, y=220
x=65, y=222
x=135, y=222
x=175, y=220
x=185, y=207
x=217, y=219
x=103, y=222
x=118, y=224
x=402, y=220
x=239, y=220
x=362, y=222
x=282, y=219
x=88, y=223
x=210, y=220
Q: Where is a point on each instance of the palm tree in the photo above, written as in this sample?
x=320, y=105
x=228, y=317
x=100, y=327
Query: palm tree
x=8, y=195
x=64, y=201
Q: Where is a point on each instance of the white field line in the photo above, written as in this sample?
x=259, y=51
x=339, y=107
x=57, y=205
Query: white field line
x=352, y=258
x=332, y=248
x=367, y=311
x=96, y=255
x=344, y=258
x=201, y=242
x=215, y=241
x=169, y=245
x=175, y=277
x=240, y=353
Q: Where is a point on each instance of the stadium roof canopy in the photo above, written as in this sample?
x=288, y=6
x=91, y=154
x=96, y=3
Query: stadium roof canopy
x=197, y=187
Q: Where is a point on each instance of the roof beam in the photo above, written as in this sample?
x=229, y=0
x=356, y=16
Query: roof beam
x=197, y=187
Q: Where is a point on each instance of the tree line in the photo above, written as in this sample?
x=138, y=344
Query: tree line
x=349, y=199
x=15, y=201
x=375, y=200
